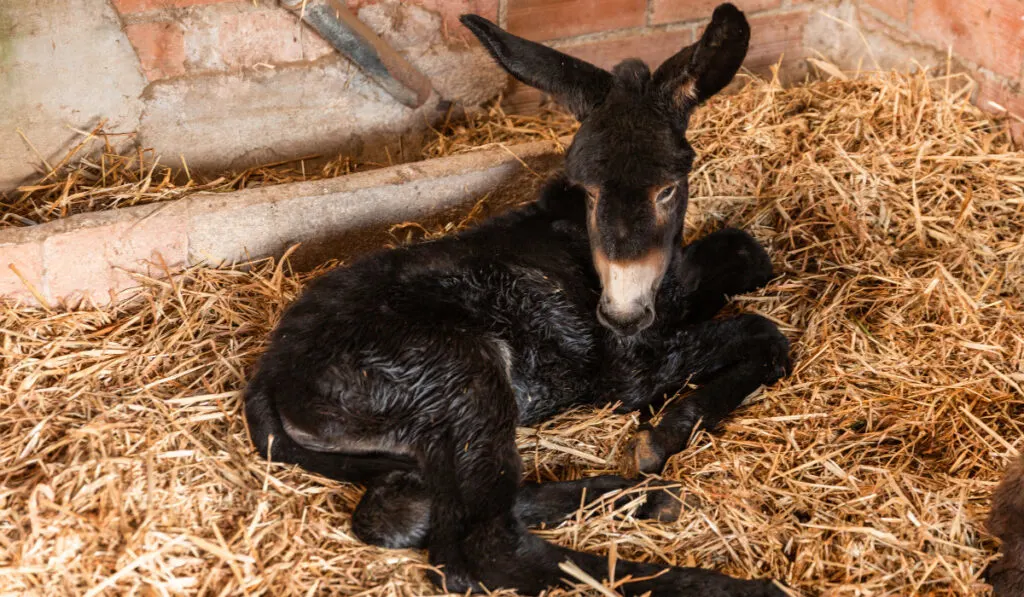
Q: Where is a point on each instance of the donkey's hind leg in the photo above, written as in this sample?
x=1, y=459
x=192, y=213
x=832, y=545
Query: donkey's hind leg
x=471, y=470
x=395, y=510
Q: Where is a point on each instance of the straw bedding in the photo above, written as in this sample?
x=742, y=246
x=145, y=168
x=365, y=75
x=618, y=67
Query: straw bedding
x=893, y=211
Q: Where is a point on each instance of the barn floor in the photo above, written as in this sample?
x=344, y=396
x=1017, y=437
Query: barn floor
x=895, y=213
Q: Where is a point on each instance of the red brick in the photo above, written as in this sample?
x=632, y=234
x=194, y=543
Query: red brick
x=989, y=33
x=652, y=48
x=449, y=10
x=772, y=36
x=160, y=48
x=27, y=259
x=897, y=9
x=553, y=19
x=670, y=11
x=868, y=21
x=92, y=261
x=134, y=6
x=1009, y=99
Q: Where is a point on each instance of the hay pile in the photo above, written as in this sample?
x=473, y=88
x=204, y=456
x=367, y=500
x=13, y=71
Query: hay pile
x=893, y=211
x=94, y=175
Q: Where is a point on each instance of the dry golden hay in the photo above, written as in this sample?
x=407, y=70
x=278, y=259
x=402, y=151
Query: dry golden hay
x=893, y=211
x=94, y=175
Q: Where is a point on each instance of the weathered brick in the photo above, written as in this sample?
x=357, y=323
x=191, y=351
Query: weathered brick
x=775, y=35
x=235, y=39
x=670, y=11
x=93, y=258
x=1006, y=99
x=772, y=36
x=989, y=33
x=27, y=258
x=135, y=6
x=249, y=38
x=160, y=47
x=552, y=19
x=449, y=10
x=897, y=9
x=652, y=48
x=868, y=21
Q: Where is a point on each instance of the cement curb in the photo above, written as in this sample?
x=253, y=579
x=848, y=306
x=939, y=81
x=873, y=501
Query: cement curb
x=92, y=256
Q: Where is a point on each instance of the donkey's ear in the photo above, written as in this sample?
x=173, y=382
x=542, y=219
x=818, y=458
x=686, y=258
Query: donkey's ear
x=577, y=85
x=699, y=71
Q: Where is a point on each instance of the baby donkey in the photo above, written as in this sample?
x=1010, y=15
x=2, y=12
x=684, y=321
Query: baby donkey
x=409, y=370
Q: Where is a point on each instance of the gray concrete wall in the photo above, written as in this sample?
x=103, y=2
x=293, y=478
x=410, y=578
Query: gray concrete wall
x=64, y=64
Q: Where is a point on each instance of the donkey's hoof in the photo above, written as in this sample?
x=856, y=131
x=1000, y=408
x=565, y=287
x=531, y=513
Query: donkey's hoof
x=453, y=582
x=643, y=454
x=665, y=504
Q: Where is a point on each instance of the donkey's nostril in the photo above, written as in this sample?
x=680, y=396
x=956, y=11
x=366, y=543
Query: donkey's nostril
x=625, y=324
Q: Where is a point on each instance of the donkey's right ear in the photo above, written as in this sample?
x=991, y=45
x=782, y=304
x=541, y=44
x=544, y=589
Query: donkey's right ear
x=699, y=71
x=577, y=85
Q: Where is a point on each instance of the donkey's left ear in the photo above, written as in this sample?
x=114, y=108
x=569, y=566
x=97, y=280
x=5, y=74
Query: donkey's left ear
x=577, y=85
x=699, y=71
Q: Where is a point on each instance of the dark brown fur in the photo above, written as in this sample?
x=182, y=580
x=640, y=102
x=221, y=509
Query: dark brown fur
x=409, y=369
x=1007, y=522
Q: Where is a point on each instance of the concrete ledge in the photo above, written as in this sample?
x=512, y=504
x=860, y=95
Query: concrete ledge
x=91, y=256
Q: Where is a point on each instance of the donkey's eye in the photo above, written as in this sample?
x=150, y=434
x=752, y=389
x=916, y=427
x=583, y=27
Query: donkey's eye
x=666, y=194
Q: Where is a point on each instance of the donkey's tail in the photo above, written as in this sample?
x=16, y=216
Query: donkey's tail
x=268, y=435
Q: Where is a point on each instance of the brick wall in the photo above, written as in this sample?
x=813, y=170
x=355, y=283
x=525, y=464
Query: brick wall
x=185, y=37
x=607, y=31
x=224, y=84
x=176, y=38
x=984, y=38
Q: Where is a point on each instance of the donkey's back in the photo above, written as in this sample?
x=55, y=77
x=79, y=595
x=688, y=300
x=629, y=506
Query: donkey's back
x=383, y=341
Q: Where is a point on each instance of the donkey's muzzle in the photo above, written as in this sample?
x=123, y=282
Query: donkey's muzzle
x=625, y=322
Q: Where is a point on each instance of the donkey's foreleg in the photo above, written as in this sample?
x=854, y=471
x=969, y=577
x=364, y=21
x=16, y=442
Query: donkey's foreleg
x=553, y=502
x=730, y=359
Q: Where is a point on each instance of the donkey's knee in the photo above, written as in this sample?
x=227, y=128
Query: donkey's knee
x=769, y=345
x=394, y=512
x=732, y=255
x=722, y=264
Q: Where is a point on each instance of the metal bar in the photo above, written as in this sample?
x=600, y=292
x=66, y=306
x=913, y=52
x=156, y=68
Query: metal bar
x=357, y=42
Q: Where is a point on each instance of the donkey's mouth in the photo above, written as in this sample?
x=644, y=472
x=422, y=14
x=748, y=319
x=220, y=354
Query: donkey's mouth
x=625, y=323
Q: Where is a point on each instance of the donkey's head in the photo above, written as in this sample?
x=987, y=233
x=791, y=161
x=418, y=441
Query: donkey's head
x=630, y=153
